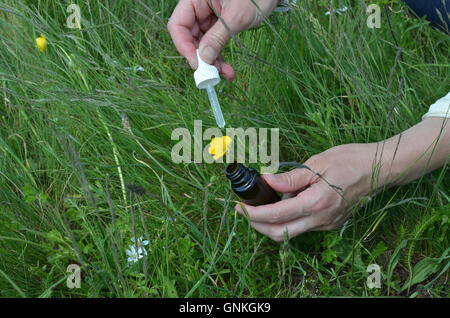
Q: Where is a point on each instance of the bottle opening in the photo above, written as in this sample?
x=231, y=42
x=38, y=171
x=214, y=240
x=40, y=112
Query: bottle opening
x=239, y=175
x=248, y=185
x=231, y=168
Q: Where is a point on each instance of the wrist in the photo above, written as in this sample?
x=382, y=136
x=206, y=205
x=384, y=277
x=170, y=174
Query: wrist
x=354, y=161
x=383, y=170
x=369, y=168
x=411, y=154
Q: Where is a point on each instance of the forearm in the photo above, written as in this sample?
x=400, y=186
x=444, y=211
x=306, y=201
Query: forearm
x=411, y=154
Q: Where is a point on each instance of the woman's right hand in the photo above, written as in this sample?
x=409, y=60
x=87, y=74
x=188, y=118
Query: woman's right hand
x=195, y=24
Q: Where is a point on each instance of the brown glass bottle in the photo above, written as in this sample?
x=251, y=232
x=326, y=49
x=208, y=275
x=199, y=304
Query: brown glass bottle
x=249, y=185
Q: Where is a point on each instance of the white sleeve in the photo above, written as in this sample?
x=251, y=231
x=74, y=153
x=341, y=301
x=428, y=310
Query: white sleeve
x=439, y=109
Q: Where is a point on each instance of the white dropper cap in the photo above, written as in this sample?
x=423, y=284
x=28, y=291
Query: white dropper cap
x=206, y=74
x=206, y=77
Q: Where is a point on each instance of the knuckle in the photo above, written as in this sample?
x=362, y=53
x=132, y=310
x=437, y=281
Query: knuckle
x=275, y=216
x=217, y=40
x=291, y=176
x=242, y=20
x=301, y=212
x=323, y=203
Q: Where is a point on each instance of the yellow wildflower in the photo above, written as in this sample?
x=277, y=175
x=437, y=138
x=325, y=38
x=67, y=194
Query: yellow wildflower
x=41, y=43
x=219, y=146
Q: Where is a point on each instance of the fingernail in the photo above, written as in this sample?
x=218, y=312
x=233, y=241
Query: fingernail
x=193, y=64
x=208, y=54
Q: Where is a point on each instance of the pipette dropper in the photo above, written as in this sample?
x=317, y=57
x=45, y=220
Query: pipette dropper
x=206, y=77
x=215, y=106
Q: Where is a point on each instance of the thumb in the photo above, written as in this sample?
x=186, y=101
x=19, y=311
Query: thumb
x=213, y=42
x=289, y=181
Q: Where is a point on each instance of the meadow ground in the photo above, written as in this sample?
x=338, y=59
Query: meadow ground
x=78, y=123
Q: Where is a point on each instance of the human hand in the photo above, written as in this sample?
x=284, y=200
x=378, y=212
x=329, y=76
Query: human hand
x=313, y=203
x=194, y=24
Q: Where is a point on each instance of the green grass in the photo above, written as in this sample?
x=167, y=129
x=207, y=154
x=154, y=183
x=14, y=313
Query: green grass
x=65, y=156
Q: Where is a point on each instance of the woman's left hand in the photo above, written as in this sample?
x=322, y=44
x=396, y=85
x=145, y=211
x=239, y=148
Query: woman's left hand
x=310, y=203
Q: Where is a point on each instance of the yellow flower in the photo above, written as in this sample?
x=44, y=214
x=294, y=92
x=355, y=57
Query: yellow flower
x=219, y=146
x=41, y=43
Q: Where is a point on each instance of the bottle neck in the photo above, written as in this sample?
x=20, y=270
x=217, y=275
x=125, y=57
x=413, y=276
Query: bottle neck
x=241, y=177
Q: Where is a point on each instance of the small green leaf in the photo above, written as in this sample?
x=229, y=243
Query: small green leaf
x=29, y=194
x=422, y=270
x=379, y=249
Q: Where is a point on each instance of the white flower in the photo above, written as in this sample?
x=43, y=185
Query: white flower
x=140, y=241
x=133, y=254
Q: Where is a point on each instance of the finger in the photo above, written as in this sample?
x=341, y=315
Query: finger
x=338, y=221
x=213, y=42
x=291, y=181
x=293, y=194
x=196, y=31
x=225, y=69
x=180, y=26
x=207, y=23
x=282, y=211
x=278, y=232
